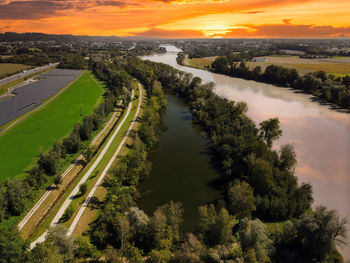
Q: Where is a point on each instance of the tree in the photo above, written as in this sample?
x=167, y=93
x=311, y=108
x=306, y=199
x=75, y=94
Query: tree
x=48, y=163
x=89, y=153
x=191, y=250
x=241, y=200
x=287, y=158
x=140, y=227
x=261, y=178
x=72, y=143
x=215, y=228
x=65, y=244
x=220, y=64
x=174, y=213
x=83, y=188
x=58, y=179
x=123, y=231
x=270, y=131
x=12, y=248
x=254, y=236
x=15, y=194
x=318, y=233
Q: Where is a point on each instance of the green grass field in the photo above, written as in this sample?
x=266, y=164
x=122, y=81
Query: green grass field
x=21, y=145
x=9, y=68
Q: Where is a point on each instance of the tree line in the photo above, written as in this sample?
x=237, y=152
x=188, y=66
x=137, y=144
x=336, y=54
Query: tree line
x=328, y=87
x=16, y=195
x=258, y=184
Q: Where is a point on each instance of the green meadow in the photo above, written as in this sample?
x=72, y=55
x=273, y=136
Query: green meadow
x=21, y=145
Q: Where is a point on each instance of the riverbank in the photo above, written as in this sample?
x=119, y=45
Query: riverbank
x=317, y=132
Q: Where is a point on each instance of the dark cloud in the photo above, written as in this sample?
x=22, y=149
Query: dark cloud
x=110, y=3
x=31, y=10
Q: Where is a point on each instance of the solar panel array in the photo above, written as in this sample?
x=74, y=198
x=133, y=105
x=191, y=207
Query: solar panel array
x=33, y=94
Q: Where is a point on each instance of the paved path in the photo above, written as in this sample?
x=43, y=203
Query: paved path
x=97, y=184
x=47, y=193
x=75, y=191
x=25, y=74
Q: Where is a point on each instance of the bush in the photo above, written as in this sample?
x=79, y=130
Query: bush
x=67, y=214
x=83, y=188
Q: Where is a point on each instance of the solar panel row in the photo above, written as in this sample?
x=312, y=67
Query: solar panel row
x=33, y=94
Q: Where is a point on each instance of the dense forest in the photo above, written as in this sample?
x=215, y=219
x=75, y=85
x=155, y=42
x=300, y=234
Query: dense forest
x=258, y=183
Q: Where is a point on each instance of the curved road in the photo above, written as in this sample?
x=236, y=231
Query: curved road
x=75, y=191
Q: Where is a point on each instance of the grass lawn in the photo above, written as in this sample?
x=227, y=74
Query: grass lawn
x=10, y=68
x=21, y=145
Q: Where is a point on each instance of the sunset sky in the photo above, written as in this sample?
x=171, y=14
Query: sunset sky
x=179, y=18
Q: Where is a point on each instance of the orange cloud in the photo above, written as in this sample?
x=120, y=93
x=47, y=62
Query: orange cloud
x=161, y=33
x=178, y=18
x=288, y=30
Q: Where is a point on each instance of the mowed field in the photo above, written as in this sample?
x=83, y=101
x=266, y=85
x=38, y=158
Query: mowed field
x=9, y=68
x=21, y=145
x=336, y=65
x=201, y=62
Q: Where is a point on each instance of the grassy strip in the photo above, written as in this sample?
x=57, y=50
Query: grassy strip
x=46, y=223
x=91, y=213
x=21, y=145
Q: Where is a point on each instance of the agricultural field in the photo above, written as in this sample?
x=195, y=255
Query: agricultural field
x=10, y=68
x=21, y=145
x=201, y=62
x=336, y=65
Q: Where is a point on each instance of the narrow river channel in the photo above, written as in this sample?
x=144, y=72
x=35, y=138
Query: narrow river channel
x=321, y=137
x=181, y=167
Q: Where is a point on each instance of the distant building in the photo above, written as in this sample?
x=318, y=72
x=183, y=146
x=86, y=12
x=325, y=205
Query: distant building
x=259, y=60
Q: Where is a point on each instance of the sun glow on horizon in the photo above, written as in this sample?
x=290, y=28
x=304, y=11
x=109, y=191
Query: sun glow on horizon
x=179, y=18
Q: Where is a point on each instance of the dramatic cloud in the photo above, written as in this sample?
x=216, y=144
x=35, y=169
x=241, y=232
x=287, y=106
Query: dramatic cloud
x=289, y=31
x=179, y=18
x=32, y=9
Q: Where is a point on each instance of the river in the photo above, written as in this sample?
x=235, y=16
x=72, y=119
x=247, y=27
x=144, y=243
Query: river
x=321, y=135
x=181, y=166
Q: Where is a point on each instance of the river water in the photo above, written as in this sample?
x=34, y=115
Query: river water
x=181, y=167
x=321, y=135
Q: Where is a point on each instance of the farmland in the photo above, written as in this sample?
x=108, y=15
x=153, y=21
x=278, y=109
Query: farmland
x=10, y=68
x=330, y=65
x=21, y=145
x=201, y=62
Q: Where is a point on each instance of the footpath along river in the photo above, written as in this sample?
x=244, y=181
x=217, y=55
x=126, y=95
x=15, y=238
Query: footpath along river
x=321, y=136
